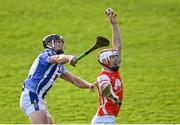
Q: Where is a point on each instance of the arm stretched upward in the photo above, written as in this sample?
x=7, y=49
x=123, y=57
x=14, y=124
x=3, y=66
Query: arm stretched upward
x=116, y=36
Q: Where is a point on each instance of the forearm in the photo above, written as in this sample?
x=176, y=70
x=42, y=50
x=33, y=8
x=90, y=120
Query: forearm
x=60, y=59
x=107, y=91
x=116, y=37
x=75, y=80
x=81, y=83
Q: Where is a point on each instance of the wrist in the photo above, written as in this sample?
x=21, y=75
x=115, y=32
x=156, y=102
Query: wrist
x=89, y=86
x=70, y=58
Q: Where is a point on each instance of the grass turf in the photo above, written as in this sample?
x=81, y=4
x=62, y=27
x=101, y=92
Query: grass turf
x=150, y=59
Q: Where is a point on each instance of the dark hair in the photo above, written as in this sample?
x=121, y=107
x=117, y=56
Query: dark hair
x=50, y=38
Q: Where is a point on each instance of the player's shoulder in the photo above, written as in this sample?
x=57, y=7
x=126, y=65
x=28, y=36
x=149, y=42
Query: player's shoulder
x=103, y=77
x=48, y=52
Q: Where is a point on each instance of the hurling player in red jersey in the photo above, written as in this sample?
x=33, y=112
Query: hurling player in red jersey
x=110, y=88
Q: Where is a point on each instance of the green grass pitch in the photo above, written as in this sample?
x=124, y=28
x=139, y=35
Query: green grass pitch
x=150, y=56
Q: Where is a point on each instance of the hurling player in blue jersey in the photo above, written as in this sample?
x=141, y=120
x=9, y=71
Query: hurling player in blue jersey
x=46, y=68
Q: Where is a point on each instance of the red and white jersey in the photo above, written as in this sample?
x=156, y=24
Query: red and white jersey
x=106, y=105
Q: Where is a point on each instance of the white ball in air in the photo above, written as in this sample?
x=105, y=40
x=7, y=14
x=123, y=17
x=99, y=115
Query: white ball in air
x=108, y=11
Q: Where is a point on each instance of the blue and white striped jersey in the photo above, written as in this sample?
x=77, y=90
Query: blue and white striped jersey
x=43, y=74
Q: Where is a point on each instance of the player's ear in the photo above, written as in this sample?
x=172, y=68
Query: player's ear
x=49, y=44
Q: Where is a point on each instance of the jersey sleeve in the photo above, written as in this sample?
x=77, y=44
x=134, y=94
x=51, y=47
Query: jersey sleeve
x=61, y=70
x=45, y=55
x=102, y=79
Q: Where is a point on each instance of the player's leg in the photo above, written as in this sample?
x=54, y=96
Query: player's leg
x=38, y=117
x=50, y=120
x=34, y=108
x=41, y=117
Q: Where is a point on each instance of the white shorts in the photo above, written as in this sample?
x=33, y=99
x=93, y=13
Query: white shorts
x=105, y=119
x=30, y=102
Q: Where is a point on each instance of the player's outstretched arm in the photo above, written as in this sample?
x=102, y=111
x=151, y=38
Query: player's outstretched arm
x=106, y=91
x=116, y=36
x=77, y=81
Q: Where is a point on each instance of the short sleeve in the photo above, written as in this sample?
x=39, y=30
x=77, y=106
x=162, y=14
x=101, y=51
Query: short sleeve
x=102, y=79
x=45, y=55
x=61, y=70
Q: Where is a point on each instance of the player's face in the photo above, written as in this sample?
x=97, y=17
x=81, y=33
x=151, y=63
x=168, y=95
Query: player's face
x=114, y=61
x=59, y=44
